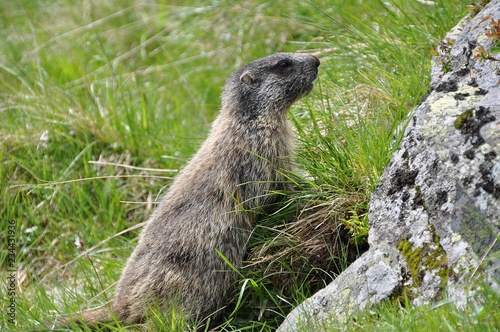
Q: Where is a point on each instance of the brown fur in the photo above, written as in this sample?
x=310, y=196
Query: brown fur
x=206, y=208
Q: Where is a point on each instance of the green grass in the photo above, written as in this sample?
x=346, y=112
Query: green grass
x=137, y=84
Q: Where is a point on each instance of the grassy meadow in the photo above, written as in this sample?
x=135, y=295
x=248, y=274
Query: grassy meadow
x=102, y=102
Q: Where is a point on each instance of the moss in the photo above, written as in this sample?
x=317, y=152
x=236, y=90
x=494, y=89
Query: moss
x=462, y=118
x=431, y=257
x=437, y=261
x=413, y=259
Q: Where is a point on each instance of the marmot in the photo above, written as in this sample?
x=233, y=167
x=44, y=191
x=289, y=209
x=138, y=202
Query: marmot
x=208, y=209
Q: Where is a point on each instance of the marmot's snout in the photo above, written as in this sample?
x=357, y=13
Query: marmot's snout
x=316, y=61
x=312, y=70
x=313, y=65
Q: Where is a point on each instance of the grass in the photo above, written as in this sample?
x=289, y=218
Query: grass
x=101, y=102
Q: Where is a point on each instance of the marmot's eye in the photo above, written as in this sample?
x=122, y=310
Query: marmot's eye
x=282, y=64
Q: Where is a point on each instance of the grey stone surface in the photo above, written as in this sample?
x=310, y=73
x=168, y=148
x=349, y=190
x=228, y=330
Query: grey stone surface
x=435, y=214
x=371, y=278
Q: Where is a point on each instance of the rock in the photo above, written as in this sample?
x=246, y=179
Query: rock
x=435, y=214
x=372, y=277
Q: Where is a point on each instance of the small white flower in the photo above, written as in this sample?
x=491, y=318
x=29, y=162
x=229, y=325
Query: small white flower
x=31, y=229
x=78, y=243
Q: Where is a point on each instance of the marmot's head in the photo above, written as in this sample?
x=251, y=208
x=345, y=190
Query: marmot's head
x=270, y=84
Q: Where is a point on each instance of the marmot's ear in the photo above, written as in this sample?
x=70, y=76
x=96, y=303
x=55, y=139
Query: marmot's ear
x=248, y=78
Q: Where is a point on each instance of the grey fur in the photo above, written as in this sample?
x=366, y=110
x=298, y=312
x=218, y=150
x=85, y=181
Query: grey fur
x=206, y=208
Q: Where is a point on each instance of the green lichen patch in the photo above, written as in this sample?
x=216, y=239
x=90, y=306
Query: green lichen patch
x=462, y=118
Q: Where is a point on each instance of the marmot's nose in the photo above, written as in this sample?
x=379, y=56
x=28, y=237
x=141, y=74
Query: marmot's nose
x=316, y=61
